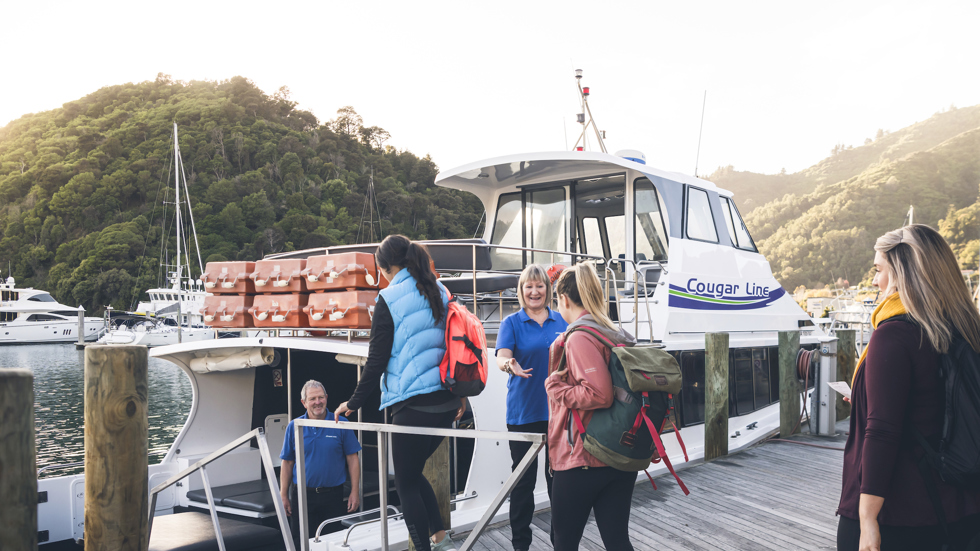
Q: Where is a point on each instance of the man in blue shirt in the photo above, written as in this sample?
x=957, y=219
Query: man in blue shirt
x=326, y=451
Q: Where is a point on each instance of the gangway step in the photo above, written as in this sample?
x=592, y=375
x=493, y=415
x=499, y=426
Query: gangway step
x=194, y=532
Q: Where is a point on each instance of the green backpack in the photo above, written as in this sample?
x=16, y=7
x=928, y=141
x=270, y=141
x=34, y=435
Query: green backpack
x=626, y=435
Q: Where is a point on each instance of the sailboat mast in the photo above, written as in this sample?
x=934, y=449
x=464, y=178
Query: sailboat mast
x=180, y=314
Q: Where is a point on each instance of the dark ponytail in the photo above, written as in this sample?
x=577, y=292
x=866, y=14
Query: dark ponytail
x=398, y=250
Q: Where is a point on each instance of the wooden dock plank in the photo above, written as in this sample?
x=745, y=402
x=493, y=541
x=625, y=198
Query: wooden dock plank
x=773, y=496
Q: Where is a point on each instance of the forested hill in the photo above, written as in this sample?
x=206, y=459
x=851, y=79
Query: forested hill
x=753, y=190
x=815, y=238
x=83, y=187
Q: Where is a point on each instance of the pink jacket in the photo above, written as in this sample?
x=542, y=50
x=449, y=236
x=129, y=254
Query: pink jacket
x=588, y=386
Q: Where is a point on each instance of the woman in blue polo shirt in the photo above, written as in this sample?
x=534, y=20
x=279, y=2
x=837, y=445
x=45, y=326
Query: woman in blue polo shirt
x=522, y=351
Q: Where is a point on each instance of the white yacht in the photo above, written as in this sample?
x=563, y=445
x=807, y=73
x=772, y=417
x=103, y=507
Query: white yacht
x=678, y=262
x=34, y=316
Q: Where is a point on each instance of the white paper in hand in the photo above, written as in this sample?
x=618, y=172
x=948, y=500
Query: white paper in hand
x=843, y=388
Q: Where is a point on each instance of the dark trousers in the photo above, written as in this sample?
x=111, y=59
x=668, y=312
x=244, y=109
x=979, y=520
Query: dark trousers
x=409, y=453
x=602, y=490
x=320, y=507
x=522, y=496
x=912, y=538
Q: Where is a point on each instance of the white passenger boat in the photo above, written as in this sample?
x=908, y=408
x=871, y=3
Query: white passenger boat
x=34, y=316
x=678, y=262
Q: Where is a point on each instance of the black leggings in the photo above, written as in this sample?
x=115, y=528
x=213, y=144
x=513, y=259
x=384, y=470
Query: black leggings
x=522, y=496
x=912, y=538
x=409, y=453
x=604, y=490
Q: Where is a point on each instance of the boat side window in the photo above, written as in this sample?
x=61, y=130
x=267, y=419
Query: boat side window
x=649, y=232
x=691, y=396
x=67, y=313
x=736, y=227
x=546, y=222
x=42, y=317
x=8, y=316
x=44, y=297
x=753, y=380
x=700, y=224
x=507, y=232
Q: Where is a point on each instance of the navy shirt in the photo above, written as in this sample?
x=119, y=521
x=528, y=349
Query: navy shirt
x=326, y=451
x=527, y=401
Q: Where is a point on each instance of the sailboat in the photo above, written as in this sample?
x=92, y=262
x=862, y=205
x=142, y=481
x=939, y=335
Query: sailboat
x=172, y=314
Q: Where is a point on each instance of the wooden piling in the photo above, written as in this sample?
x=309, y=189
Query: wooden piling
x=716, y=375
x=846, y=360
x=789, y=383
x=18, y=469
x=436, y=471
x=116, y=485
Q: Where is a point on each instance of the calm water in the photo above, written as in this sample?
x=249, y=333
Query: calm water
x=58, y=402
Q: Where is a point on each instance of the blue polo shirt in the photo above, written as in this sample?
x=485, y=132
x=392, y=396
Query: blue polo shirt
x=527, y=401
x=326, y=453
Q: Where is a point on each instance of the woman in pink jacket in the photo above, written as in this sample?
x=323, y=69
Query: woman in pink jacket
x=582, y=483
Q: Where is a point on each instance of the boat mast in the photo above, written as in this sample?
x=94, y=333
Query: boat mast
x=583, y=138
x=180, y=314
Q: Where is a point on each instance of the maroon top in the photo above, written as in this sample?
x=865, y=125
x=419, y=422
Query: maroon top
x=899, y=381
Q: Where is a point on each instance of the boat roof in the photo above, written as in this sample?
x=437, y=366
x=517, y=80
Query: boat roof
x=486, y=177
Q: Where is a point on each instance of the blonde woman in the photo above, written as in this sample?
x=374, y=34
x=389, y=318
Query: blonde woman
x=522, y=351
x=885, y=503
x=582, y=483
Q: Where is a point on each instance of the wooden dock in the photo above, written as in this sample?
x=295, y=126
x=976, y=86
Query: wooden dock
x=773, y=496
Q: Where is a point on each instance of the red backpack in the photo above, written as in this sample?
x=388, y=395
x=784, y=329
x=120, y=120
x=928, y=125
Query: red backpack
x=464, y=367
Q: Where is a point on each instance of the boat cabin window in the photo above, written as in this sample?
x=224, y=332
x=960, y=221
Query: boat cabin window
x=44, y=297
x=649, y=232
x=546, y=223
x=700, y=224
x=507, y=232
x=600, y=216
x=591, y=237
x=736, y=227
x=8, y=316
x=42, y=317
x=67, y=313
x=8, y=296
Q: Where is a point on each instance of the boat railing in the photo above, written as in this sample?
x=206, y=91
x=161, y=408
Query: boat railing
x=270, y=473
x=384, y=431
x=639, y=286
x=607, y=275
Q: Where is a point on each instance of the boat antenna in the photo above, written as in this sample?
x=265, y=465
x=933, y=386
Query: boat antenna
x=697, y=158
x=600, y=136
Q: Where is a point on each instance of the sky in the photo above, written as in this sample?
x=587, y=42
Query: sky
x=780, y=83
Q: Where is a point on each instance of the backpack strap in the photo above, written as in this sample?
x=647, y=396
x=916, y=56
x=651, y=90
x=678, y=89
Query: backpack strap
x=659, y=443
x=595, y=333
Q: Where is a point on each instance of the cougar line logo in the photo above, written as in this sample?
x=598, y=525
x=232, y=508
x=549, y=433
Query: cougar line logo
x=704, y=295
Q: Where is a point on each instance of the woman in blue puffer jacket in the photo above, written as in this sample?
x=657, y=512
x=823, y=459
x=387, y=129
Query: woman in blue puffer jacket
x=408, y=341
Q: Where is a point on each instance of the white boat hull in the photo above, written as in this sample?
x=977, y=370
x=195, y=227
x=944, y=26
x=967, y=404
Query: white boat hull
x=24, y=332
x=161, y=337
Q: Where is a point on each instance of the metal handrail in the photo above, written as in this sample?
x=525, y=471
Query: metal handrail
x=537, y=444
x=398, y=514
x=259, y=435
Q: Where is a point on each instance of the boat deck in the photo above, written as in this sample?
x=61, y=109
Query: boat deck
x=774, y=496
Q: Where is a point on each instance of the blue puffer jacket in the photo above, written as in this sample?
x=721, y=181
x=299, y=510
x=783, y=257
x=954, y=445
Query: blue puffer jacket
x=419, y=342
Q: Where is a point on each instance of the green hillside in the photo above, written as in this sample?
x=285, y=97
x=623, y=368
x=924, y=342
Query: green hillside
x=815, y=238
x=753, y=190
x=83, y=187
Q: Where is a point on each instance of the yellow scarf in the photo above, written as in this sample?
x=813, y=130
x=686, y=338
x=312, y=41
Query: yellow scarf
x=890, y=307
